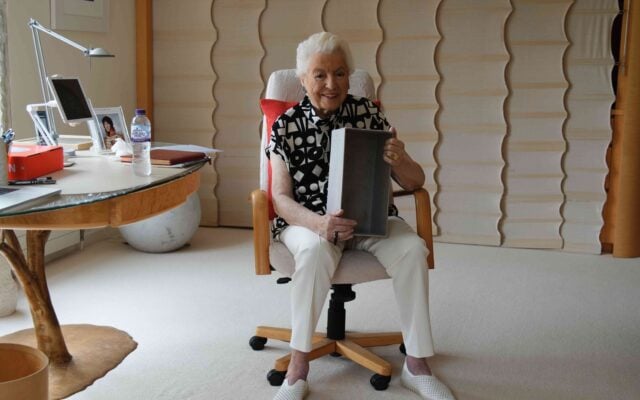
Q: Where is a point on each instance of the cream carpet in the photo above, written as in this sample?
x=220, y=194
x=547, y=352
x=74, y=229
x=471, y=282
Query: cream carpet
x=507, y=324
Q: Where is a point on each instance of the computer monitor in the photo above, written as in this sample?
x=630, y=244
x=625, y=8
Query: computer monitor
x=72, y=102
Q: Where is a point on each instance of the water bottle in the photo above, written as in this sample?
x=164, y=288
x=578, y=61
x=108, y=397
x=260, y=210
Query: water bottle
x=141, y=143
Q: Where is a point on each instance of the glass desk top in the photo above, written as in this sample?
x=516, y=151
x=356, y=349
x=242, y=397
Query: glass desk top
x=95, y=178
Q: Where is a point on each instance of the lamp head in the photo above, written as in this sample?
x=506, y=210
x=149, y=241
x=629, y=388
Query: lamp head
x=98, y=52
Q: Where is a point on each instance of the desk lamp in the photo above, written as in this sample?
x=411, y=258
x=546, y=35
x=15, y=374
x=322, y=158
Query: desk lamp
x=49, y=133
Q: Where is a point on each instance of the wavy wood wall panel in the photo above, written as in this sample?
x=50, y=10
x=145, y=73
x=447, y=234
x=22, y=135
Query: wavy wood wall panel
x=280, y=40
x=397, y=42
x=471, y=59
x=356, y=21
x=236, y=59
x=536, y=114
x=182, y=89
x=588, y=65
x=408, y=88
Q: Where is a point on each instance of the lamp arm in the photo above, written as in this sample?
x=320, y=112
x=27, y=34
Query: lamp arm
x=36, y=25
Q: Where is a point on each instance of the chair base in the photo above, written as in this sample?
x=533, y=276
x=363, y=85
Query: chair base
x=353, y=346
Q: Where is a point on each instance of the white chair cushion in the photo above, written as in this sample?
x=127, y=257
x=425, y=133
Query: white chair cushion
x=355, y=266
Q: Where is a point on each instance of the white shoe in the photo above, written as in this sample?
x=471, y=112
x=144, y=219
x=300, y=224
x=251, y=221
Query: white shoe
x=297, y=391
x=427, y=386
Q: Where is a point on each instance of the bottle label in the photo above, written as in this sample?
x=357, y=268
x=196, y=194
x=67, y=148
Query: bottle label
x=139, y=135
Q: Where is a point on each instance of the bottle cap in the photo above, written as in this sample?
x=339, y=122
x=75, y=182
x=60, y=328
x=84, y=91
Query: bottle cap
x=140, y=111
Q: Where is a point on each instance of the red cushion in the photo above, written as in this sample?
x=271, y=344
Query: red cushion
x=272, y=110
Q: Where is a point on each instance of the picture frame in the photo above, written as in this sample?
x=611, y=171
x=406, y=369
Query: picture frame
x=80, y=15
x=105, y=118
x=40, y=135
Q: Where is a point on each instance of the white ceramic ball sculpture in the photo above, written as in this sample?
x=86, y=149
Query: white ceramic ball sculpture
x=165, y=232
x=8, y=291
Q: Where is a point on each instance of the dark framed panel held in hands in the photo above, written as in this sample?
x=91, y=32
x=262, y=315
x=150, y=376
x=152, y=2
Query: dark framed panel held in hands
x=359, y=179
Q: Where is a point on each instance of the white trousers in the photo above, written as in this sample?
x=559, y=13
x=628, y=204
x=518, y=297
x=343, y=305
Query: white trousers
x=402, y=253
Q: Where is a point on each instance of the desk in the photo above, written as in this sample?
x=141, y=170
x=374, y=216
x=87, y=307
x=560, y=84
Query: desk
x=96, y=192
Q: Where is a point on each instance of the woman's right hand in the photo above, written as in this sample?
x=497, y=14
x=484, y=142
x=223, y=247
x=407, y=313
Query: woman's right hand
x=296, y=214
x=334, y=228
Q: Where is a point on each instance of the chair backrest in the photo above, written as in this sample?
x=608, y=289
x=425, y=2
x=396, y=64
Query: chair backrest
x=285, y=88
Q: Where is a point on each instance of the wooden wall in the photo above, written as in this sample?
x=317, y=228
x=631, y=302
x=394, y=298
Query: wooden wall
x=495, y=109
x=471, y=58
x=183, y=38
x=536, y=114
x=589, y=130
x=409, y=87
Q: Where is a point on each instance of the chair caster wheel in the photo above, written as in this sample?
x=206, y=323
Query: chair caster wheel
x=257, y=342
x=335, y=354
x=276, y=377
x=380, y=382
x=403, y=349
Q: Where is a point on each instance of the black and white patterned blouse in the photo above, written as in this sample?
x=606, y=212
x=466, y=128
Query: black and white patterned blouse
x=303, y=140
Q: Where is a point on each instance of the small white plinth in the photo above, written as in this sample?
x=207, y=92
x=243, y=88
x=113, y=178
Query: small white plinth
x=165, y=232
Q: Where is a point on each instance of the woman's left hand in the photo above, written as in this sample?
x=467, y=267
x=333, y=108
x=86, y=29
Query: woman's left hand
x=404, y=170
x=394, y=153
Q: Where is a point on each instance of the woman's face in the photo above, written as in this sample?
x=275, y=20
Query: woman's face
x=107, y=126
x=326, y=82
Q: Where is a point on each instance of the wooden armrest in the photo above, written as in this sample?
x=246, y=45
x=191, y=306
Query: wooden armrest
x=402, y=193
x=261, y=239
x=423, y=218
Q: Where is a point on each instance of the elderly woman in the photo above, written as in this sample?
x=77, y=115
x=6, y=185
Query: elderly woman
x=299, y=157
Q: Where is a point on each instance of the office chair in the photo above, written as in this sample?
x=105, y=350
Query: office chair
x=284, y=90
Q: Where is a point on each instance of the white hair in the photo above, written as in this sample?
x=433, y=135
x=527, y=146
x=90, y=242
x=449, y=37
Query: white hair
x=321, y=42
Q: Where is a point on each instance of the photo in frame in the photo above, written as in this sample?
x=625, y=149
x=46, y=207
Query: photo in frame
x=80, y=15
x=109, y=125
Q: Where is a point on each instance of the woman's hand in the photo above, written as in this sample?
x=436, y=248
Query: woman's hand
x=334, y=228
x=296, y=214
x=404, y=170
x=394, y=153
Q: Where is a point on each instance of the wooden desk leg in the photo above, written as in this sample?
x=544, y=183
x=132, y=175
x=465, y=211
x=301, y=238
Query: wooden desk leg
x=30, y=272
x=96, y=349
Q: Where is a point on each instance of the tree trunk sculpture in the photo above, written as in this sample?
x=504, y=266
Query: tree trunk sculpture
x=31, y=274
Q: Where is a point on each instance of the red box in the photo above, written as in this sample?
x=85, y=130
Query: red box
x=29, y=161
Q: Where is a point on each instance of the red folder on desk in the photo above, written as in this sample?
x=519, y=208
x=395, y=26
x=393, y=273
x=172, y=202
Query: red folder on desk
x=170, y=157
